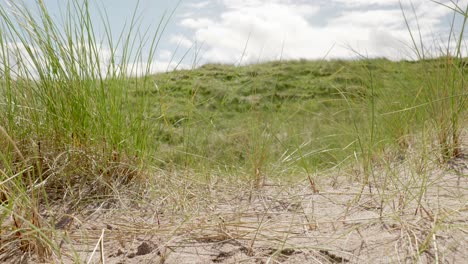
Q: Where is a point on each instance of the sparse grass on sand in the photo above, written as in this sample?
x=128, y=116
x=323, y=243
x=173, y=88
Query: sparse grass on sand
x=337, y=161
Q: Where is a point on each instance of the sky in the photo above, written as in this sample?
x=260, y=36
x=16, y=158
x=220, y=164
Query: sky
x=251, y=31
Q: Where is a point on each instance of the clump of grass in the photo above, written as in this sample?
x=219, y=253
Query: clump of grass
x=444, y=90
x=69, y=126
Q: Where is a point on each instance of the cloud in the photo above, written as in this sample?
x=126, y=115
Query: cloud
x=139, y=69
x=199, y=5
x=251, y=26
x=21, y=64
x=256, y=30
x=17, y=61
x=165, y=54
x=196, y=23
x=393, y=3
x=30, y=60
x=181, y=41
x=369, y=18
x=299, y=7
x=361, y=3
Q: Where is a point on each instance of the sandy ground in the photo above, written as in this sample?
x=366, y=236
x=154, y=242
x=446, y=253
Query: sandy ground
x=394, y=221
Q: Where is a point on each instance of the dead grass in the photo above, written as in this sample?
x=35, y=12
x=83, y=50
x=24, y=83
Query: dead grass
x=177, y=219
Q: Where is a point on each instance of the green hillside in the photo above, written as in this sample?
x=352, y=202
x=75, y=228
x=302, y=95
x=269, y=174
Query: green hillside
x=316, y=113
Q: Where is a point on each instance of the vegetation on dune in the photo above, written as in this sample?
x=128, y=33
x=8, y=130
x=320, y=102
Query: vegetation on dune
x=317, y=107
x=75, y=128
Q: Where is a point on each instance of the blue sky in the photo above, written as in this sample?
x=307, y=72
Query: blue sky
x=249, y=31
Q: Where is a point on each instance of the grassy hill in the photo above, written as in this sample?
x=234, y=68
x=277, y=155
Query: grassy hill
x=326, y=111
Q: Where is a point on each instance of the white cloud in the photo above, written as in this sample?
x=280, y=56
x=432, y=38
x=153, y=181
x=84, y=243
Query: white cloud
x=301, y=7
x=196, y=23
x=369, y=18
x=21, y=63
x=29, y=60
x=142, y=68
x=360, y=3
x=18, y=61
x=199, y=5
x=181, y=41
x=392, y=3
x=165, y=54
x=254, y=30
x=262, y=27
